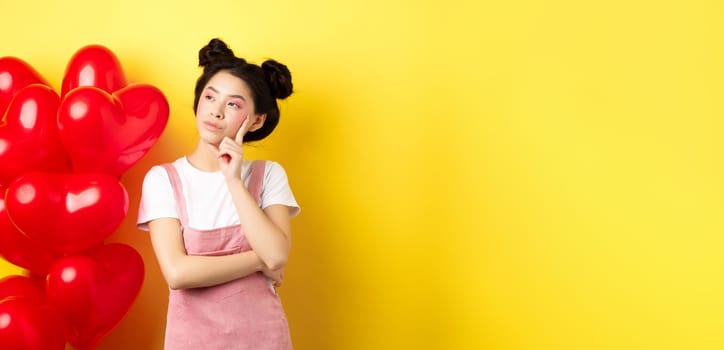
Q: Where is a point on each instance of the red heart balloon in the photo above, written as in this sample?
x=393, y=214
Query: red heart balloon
x=15, y=74
x=147, y=110
x=109, y=133
x=94, y=65
x=26, y=320
x=24, y=324
x=94, y=291
x=29, y=139
x=69, y=212
x=21, y=286
x=20, y=249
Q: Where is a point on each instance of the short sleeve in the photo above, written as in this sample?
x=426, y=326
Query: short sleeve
x=276, y=189
x=157, y=198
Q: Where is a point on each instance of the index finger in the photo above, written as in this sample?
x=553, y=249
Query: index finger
x=242, y=130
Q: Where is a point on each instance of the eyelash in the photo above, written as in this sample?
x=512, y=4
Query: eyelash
x=231, y=104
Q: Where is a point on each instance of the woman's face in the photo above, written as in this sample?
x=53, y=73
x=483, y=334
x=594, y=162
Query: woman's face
x=224, y=104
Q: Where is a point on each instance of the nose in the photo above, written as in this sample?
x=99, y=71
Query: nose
x=216, y=111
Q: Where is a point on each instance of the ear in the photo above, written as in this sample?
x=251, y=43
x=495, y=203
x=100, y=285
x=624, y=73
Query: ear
x=258, y=123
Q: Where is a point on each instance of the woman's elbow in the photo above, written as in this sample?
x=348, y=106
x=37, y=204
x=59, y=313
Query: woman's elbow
x=276, y=263
x=175, y=279
x=275, y=259
x=173, y=285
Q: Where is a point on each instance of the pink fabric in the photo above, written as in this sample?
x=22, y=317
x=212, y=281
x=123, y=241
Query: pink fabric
x=240, y=314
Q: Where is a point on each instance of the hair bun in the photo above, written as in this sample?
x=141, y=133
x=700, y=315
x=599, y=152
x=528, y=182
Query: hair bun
x=279, y=77
x=215, y=51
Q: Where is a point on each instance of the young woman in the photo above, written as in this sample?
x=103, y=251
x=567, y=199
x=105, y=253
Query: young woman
x=220, y=224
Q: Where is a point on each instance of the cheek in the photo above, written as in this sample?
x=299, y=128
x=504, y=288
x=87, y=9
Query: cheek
x=233, y=122
x=237, y=117
x=199, y=107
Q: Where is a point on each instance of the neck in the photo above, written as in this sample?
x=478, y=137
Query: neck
x=203, y=158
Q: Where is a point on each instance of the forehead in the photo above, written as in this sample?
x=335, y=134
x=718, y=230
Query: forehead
x=226, y=83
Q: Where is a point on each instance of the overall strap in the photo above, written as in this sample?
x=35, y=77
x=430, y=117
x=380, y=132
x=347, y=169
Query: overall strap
x=256, y=179
x=177, y=193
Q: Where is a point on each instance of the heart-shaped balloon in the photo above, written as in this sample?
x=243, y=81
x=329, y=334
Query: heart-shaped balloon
x=29, y=139
x=69, y=212
x=109, y=133
x=94, y=291
x=29, y=326
x=26, y=320
x=93, y=65
x=21, y=286
x=15, y=74
x=20, y=249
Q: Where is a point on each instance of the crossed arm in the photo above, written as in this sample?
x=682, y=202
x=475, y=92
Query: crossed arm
x=190, y=271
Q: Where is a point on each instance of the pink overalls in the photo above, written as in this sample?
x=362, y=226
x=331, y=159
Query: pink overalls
x=240, y=314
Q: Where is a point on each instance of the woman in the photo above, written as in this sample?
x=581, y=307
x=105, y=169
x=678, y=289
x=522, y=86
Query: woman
x=220, y=225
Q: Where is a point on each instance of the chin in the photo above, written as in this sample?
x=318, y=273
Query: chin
x=211, y=140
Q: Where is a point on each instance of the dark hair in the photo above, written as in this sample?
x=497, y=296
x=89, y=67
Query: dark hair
x=268, y=82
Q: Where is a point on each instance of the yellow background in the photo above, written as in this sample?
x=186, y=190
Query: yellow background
x=473, y=175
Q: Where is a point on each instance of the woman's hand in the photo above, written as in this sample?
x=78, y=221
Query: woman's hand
x=230, y=152
x=275, y=276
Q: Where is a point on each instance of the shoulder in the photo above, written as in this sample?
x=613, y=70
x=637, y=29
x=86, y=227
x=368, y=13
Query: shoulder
x=272, y=168
x=272, y=165
x=276, y=188
x=274, y=173
x=155, y=174
x=159, y=175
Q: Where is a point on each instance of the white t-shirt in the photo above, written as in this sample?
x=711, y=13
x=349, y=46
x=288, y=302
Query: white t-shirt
x=208, y=200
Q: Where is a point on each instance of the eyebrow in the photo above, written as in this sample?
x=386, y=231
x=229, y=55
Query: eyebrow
x=217, y=91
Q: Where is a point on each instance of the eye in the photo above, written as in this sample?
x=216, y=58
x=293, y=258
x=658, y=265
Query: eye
x=234, y=105
x=209, y=98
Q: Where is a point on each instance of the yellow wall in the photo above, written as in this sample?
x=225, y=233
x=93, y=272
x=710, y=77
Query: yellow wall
x=496, y=174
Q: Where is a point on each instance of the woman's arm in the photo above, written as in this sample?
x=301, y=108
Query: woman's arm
x=189, y=271
x=268, y=231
